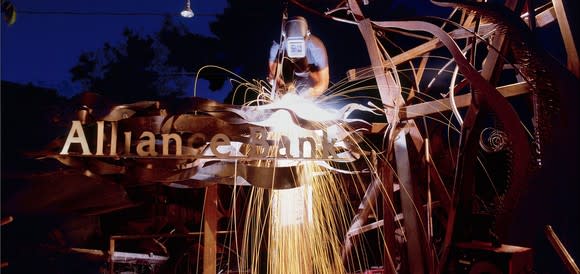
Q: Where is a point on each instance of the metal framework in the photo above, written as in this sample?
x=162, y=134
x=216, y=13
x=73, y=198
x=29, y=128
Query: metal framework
x=424, y=216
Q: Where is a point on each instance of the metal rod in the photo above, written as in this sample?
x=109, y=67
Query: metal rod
x=166, y=235
x=561, y=250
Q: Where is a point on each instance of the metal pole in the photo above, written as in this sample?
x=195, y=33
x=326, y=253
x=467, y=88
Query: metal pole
x=561, y=250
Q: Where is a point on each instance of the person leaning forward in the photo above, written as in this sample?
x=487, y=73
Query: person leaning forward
x=303, y=60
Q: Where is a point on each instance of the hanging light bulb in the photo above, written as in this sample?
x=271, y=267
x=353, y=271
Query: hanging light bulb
x=187, y=12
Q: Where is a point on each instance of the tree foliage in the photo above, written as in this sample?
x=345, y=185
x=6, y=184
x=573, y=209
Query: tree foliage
x=189, y=52
x=146, y=67
x=130, y=71
x=246, y=30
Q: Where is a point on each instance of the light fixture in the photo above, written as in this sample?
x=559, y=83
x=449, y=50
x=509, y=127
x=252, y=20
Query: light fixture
x=187, y=12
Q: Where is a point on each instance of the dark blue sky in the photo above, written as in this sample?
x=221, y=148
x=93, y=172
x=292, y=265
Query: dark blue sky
x=41, y=48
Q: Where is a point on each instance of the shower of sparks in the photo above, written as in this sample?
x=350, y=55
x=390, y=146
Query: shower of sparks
x=306, y=229
x=301, y=225
x=302, y=230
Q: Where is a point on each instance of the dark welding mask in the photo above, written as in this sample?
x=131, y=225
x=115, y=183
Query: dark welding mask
x=296, y=32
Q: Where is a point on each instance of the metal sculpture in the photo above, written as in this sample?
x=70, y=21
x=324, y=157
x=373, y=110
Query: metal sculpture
x=434, y=201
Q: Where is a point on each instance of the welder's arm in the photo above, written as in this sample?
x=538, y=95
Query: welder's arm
x=320, y=79
x=272, y=73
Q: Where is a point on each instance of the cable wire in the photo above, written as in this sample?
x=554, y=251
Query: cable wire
x=105, y=13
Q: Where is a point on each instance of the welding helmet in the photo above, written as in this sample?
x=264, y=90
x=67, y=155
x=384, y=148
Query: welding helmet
x=296, y=31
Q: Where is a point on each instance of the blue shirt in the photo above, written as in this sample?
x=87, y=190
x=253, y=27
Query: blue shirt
x=316, y=59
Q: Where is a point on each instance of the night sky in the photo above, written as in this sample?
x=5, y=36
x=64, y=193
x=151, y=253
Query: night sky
x=48, y=36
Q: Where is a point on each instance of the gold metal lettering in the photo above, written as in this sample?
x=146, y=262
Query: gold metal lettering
x=302, y=142
x=284, y=143
x=113, y=147
x=76, y=135
x=100, y=137
x=166, y=139
x=127, y=142
x=148, y=143
x=258, y=137
x=218, y=140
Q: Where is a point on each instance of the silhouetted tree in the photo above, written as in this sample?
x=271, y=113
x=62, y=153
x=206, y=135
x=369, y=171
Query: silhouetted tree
x=246, y=30
x=189, y=52
x=31, y=117
x=149, y=67
x=128, y=72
